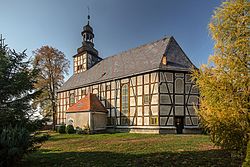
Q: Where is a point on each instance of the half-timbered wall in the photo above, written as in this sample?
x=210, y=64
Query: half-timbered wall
x=141, y=95
x=178, y=96
x=151, y=99
x=80, y=63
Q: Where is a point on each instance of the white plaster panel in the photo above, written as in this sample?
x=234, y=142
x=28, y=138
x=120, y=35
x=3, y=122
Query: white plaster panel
x=133, y=80
x=195, y=120
x=108, y=95
x=113, y=112
x=191, y=110
x=118, y=103
x=187, y=88
x=139, y=90
x=154, y=110
x=132, y=101
x=163, y=120
x=187, y=121
x=170, y=121
x=164, y=110
x=165, y=99
x=163, y=88
x=132, y=111
x=139, y=80
x=179, y=110
x=169, y=76
x=139, y=121
x=139, y=100
x=179, y=85
x=80, y=119
x=154, y=99
x=113, y=85
x=179, y=74
x=139, y=111
x=154, y=88
x=95, y=87
x=131, y=120
x=131, y=91
x=118, y=112
x=154, y=77
x=113, y=94
x=192, y=99
x=113, y=103
x=179, y=99
x=146, y=110
x=188, y=78
x=146, y=78
x=118, y=121
x=126, y=80
x=146, y=89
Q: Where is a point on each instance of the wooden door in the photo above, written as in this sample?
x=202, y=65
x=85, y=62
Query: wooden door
x=179, y=124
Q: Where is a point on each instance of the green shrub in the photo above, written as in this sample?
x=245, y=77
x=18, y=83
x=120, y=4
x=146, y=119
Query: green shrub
x=70, y=129
x=14, y=143
x=247, y=160
x=79, y=130
x=62, y=129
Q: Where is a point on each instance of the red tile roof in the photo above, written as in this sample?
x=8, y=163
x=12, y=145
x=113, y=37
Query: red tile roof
x=89, y=103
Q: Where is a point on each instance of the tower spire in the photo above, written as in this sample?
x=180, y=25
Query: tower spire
x=88, y=15
x=87, y=55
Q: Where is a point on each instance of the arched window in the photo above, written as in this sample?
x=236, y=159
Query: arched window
x=179, y=85
x=124, y=98
x=71, y=99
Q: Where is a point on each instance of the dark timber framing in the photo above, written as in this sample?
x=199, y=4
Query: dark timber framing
x=157, y=92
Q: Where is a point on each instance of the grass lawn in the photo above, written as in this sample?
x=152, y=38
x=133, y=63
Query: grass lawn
x=124, y=149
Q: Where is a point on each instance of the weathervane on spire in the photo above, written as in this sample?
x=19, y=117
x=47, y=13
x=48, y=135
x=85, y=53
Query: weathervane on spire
x=88, y=15
x=2, y=40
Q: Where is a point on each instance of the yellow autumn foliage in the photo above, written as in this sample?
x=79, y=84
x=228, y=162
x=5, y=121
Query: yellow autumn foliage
x=224, y=82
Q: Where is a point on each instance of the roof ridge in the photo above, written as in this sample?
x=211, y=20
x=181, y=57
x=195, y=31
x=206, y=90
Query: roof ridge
x=140, y=46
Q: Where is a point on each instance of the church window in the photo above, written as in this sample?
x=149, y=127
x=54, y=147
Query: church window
x=146, y=99
x=124, y=98
x=71, y=99
x=154, y=121
x=179, y=85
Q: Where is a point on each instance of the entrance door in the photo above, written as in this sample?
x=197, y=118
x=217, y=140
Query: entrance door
x=179, y=124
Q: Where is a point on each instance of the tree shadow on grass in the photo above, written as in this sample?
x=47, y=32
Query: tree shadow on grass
x=186, y=158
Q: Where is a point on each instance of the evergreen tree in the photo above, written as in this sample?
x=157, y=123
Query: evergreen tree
x=17, y=121
x=17, y=81
x=225, y=83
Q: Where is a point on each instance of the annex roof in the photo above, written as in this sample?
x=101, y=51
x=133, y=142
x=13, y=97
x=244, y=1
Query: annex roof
x=88, y=103
x=142, y=59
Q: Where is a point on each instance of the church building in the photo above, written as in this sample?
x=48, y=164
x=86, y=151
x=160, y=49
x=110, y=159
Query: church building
x=147, y=89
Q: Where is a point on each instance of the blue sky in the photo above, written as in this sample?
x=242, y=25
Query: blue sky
x=118, y=24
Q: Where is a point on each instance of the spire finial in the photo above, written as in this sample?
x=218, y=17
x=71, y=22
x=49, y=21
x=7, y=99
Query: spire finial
x=88, y=15
x=2, y=40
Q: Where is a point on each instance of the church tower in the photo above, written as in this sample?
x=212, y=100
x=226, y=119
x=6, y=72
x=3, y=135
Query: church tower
x=87, y=55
